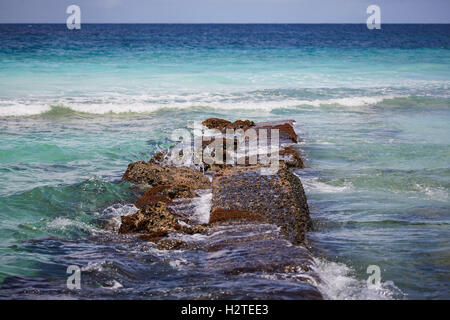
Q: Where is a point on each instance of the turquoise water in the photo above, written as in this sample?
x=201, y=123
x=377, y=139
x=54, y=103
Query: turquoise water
x=371, y=107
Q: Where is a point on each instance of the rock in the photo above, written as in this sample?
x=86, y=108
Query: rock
x=154, y=221
x=291, y=158
x=198, y=228
x=222, y=125
x=240, y=124
x=233, y=142
x=154, y=236
x=286, y=135
x=150, y=219
x=279, y=198
x=251, y=217
x=173, y=244
x=221, y=215
x=243, y=248
x=151, y=174
x=215, y=123
x=158, y=158
x=211, y=146
x=286, y=130
x=165, y=194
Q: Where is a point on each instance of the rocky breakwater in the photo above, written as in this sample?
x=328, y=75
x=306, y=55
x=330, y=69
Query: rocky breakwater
x=250, y=222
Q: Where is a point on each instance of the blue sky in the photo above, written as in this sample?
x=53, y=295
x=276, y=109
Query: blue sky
x=225, y=11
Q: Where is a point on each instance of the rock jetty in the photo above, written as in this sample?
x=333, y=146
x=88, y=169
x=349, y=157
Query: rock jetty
x=259, y=216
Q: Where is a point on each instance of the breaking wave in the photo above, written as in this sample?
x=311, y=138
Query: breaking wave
x=338, y=282
x=123, y=104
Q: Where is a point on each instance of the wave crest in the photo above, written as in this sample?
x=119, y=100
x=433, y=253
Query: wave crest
x=123, y=104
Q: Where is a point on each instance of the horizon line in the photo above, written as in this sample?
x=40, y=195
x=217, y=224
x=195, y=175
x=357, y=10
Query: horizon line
x=359, y=23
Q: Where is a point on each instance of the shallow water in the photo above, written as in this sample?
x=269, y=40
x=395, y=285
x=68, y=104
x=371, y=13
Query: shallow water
x=371, y=108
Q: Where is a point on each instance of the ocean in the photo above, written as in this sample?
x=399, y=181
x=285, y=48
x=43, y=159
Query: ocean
x=372, y=110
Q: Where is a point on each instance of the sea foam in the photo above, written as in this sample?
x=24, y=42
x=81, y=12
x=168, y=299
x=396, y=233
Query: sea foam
x=122, y=104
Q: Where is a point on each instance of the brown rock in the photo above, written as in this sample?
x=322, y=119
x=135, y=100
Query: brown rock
x=277, y=198
x=222, y=125
x=164, y=194
x=221, y=215
x=151, y=218
x=157, y=158
x=291, y=158
x=233, y=142
x=240, y=124
x=198, y=228
x=286, y=130
x=142, y=172
x=154, y=221
x=213, y=145
x=215, y=123
x=154, y=236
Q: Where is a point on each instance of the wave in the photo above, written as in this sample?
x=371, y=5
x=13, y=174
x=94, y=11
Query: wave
x=143, y=105
x=433, y=193
x=338, y=282
x=314, y=185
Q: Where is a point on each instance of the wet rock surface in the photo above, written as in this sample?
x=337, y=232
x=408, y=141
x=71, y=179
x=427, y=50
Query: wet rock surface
x=278, y=198
x=239, y=192
x=156, y=220
x=291, y=158
x=164, y=193
x=224, y=145
x=153, y=219
x=286, y=129
x=222, y=125
x=216, y=123
x=147, y=173
x=260, y=250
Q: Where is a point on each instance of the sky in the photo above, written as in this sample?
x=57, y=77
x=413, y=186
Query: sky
x=225, y=11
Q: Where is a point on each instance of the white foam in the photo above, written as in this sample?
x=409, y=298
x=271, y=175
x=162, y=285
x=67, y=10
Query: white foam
x=122, y=103
x=434, y=193
x=178, y=264
x=117, y=210
x=95, y=266
x=337, y=282
x=15, y=109
x=313, y=185
x=113, y=285
x=196, y=237
x=202, y=206
x=64, y=224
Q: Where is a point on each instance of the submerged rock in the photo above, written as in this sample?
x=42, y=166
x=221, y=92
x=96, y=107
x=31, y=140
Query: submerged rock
x=172, y=244
x=151, y=174
x=258, y=250
x=243, y=193
x=154, y=236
